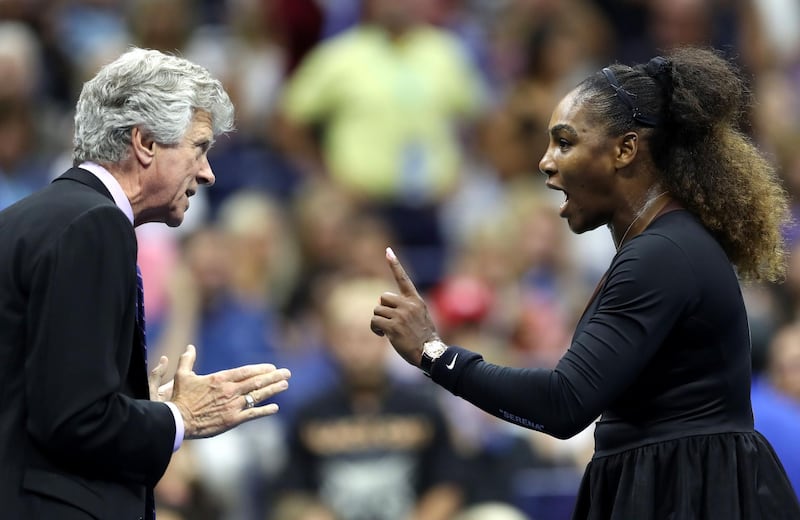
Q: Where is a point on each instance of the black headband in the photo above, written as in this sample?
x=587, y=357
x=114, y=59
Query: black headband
x=628, y=99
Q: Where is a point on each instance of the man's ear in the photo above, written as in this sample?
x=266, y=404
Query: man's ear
x=144, y=147
x=627, y=149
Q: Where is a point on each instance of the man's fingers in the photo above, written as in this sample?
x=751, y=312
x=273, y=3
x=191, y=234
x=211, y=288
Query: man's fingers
x=267, y=391
x=164, y=391
x=248, y=371
x=158, y=372
x=156, y=376
x=260, y=411
x=187, y=359
x=277, y=378
x=404, y=283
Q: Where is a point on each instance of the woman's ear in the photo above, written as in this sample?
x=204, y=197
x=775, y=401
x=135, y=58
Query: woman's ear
x=144, y=147
x=627, y=149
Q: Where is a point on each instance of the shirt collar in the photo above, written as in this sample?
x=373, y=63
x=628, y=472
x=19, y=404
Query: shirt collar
x=112, y=185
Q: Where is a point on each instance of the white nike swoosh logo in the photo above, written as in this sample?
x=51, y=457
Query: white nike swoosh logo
x=452, y=363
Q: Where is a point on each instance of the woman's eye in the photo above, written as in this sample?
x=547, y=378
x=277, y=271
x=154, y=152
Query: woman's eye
x=563, y=144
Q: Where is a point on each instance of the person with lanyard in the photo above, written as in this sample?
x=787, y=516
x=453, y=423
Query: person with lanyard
x=662, y=352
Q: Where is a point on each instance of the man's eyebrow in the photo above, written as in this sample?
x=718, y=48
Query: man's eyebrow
x=206, y=142
x=563, y=127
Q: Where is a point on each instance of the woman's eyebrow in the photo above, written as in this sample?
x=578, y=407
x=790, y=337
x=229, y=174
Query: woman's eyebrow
x=563, y=127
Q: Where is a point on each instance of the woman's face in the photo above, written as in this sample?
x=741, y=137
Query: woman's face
x=580, y=161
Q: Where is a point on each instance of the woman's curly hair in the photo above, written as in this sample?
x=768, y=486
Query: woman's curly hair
x=699, y=100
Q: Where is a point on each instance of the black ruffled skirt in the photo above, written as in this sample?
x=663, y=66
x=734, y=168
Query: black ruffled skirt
x=729, y=476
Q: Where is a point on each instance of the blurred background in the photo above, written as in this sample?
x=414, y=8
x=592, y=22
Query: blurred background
x=417, y=124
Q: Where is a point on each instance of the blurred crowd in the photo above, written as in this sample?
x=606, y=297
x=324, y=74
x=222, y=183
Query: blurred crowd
x=367, y=123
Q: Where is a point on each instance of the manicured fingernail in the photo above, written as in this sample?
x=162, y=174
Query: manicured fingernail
x=390, y=254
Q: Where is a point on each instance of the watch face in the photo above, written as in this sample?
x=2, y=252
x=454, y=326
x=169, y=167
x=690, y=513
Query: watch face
x=434, y=349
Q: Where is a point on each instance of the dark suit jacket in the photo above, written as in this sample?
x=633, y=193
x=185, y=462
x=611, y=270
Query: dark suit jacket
x=78, y=436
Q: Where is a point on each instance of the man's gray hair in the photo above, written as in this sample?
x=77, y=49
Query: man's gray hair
x=156, y=92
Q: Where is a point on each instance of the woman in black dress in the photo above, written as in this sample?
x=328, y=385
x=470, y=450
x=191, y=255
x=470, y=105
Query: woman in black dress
x=662, y=352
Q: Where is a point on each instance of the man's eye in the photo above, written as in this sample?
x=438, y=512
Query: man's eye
x=563, y=144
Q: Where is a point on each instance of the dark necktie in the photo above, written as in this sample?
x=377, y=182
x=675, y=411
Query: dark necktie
x=149, y=499
x=140, y=312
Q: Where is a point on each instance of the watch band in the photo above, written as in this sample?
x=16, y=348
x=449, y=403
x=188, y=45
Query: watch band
x=426, y=364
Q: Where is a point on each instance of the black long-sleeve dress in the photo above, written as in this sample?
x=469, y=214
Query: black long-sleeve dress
x=662, y=356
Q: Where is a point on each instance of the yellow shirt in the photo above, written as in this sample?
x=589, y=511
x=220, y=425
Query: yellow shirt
x=389, y=109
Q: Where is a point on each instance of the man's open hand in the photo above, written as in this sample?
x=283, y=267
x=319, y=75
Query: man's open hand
x=214, y=403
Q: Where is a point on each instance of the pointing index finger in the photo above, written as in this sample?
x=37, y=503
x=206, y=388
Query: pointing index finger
x=404, y=283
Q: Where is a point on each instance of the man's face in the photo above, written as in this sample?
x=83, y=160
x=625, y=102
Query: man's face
x=177, y=172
